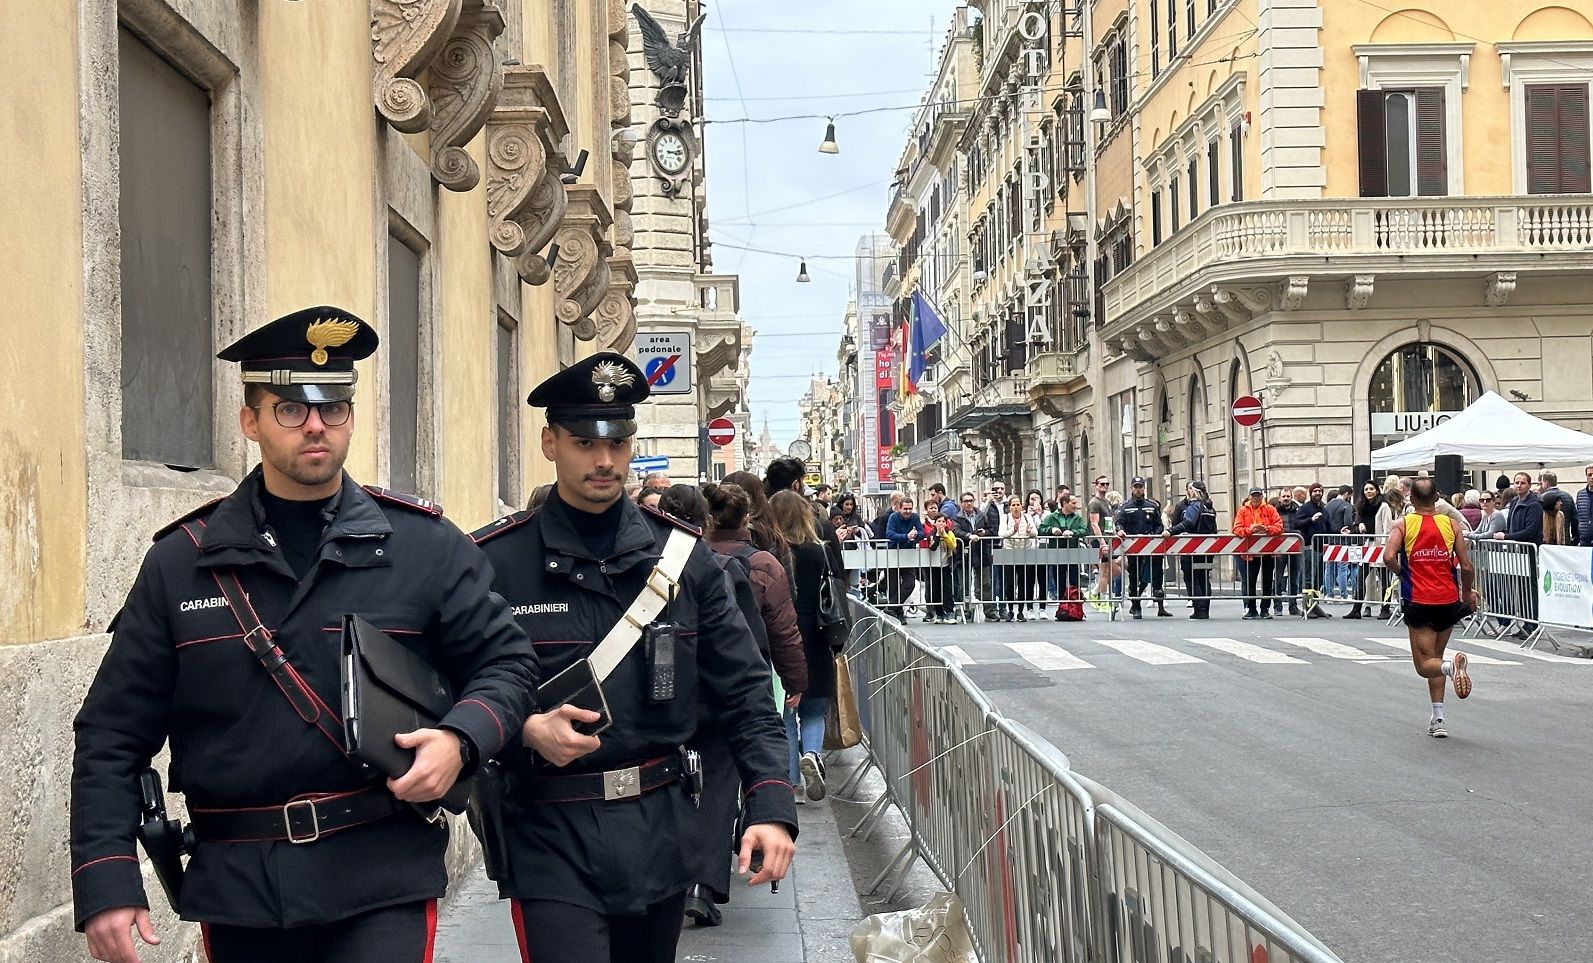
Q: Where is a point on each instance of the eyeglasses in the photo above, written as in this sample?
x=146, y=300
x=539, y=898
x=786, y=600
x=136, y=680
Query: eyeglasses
x=293, y=414
x=1101, y=484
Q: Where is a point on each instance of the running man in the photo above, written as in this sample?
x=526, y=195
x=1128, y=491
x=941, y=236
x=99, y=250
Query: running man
x=1425, y=548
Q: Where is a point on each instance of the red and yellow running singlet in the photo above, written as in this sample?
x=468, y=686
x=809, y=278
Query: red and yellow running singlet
x=1428, y=575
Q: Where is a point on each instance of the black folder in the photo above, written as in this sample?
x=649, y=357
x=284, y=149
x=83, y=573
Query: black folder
x=388, y=689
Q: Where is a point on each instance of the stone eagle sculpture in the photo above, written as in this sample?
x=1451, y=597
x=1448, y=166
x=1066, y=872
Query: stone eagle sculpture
x=669, y=62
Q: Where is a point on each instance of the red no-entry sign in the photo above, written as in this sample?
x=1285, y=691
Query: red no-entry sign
x=721, y=431
x=1247, y=411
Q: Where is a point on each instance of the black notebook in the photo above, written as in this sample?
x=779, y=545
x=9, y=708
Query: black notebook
x=388, y=689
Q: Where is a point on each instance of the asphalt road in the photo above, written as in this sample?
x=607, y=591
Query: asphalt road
x=1296, y=753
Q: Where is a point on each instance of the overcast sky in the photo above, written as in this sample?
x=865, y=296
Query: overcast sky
x=770, y=188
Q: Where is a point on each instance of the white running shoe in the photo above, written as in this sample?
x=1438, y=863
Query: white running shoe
x=1436, y=729
x=1461, y=676
x=812, y=776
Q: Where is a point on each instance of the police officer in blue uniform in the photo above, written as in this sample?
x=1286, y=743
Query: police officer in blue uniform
x=1142, y=515
x=296, y=852
x=599, y=826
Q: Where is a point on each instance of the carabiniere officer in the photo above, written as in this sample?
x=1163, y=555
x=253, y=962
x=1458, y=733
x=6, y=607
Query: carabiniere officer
x=297, y=854
x=595, y=875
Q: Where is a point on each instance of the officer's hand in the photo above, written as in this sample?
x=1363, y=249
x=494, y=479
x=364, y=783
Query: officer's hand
x=436, y=766
x=778, y=848
x=792, y=701
x=553, y=736
x=110, y=933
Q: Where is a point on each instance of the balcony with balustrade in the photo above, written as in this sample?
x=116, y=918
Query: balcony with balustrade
x=1238, y=261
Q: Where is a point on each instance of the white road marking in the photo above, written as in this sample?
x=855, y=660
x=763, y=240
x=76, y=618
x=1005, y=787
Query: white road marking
x=1149, y=652
x=1333, y=650
x=1512, y=648
x=1047, y=657
x=956, y=654
x=1250, y=653
x=1404, y=646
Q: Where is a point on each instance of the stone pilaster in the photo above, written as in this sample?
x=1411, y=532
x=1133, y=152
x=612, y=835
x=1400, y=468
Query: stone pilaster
x=1289, y=61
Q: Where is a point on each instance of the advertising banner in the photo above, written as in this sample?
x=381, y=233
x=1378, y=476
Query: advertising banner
x=1565, y=585
x=886, y=372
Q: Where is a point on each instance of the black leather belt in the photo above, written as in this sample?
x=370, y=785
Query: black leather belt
x=631, y=782
x=301, y=820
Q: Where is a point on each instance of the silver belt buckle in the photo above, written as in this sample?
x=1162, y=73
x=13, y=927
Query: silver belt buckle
x=622, y=784
x=315, y=821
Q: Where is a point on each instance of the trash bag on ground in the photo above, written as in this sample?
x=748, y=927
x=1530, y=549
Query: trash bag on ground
x=936, y=932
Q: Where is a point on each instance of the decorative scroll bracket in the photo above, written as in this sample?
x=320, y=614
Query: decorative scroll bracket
x=616, y=314
x=581, y=273
x=526, y=152
x=465, y=81
x=406, y=36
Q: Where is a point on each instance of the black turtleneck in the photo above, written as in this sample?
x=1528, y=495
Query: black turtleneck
x=599, y=531
x=297, y=527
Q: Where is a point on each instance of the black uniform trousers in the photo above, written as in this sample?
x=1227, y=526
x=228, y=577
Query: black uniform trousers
x=1144, y=573
x=1256, y=567
x=552, y=932
x=394, y=934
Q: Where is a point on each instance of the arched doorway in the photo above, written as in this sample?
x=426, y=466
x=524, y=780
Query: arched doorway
x=1414, y=388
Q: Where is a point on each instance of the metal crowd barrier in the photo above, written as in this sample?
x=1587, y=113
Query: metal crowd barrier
x=1202, y=552
x=1050, y=866
x=1349, y=570
x=1506, y=576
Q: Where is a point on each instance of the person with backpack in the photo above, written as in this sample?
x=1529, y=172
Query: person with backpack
x=1067, y=527
x=1197, y=518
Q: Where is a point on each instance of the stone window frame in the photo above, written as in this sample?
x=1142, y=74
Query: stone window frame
x=408, y=211
x=508, y=311
x=214, y=45
x=1401, y=66
x=1527, y=63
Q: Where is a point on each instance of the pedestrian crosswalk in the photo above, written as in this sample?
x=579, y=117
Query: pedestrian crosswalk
x=1292, y=650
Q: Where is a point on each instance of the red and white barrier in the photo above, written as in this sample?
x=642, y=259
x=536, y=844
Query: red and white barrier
x=1353, y=554
x=1209, y=545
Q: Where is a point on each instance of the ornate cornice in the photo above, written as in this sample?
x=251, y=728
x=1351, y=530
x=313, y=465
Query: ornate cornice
x=581, y=273
x=615, y=316
x=464, y=83
x=526, y=153
x=406, y=35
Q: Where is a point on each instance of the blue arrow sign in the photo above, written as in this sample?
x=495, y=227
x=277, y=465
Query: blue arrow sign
x=661, y=370
x=648, y=463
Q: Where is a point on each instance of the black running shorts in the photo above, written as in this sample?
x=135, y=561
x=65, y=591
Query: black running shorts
x=1439, y=618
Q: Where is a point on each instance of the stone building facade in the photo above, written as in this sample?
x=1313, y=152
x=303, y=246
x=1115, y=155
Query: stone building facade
x=1364, y=217
x=181, y=171
x=677, y=290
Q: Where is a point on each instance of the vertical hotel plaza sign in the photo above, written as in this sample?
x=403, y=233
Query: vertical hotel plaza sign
x=887, y=372
x=1036, y=185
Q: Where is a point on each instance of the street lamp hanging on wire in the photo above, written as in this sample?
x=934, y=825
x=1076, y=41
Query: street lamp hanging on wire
x=802, y=272
x=1098, y=112
x=829, y=146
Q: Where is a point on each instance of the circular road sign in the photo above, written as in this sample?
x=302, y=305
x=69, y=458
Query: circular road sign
x=1247, y=411
x=657, y=378
x=721, y=431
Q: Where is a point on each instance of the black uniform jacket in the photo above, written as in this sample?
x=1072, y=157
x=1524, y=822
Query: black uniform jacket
x=1140, y=516
x=623, y=856
x=177, y=667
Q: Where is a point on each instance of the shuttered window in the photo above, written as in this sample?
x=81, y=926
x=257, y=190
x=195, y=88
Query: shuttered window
x=1236, y=162
x=1155, y=39
x=1557, y=139
x=1194, y=187
x=1403, y=143
x=1156, y=217
x=1214, y=181
x=1172, y=202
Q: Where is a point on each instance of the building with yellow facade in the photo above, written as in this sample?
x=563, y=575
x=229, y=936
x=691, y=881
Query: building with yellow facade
x=458, y=172
x=1365, y=214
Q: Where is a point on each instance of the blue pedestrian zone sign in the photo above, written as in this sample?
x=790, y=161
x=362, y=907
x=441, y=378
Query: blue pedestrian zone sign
x=660, y=372
x=650, y=463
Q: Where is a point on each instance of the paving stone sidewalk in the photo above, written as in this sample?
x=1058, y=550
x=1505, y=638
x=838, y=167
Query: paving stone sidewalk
x=808, y=921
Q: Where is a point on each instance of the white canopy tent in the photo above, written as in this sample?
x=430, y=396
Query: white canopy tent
x=1490, y=433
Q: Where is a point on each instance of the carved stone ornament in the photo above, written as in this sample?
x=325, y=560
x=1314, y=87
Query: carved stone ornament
x=1292, y=290
x=676, y=135
x=464, y=84
x=526, y=134
x=1242, y=304
x=616, y=313
x=1277, y=379
x=1358, y=291
x=581, y=273
x=406, y=35
x=1497, y=288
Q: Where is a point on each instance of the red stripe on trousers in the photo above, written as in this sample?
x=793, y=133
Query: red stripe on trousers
x=431, y=930
x=204, y=937
x=519, y=930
